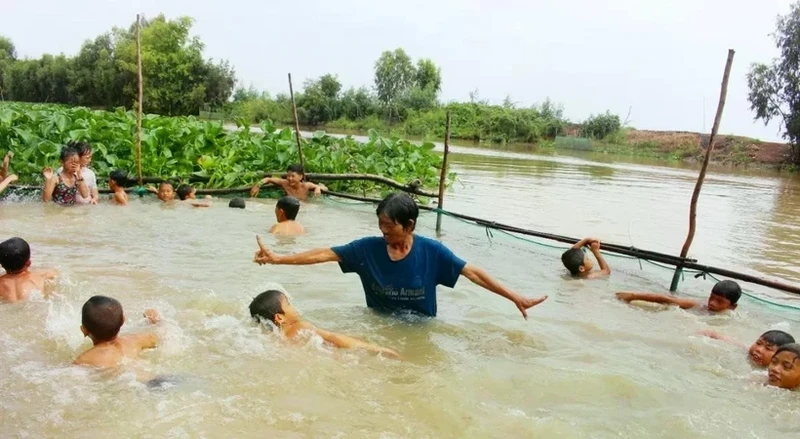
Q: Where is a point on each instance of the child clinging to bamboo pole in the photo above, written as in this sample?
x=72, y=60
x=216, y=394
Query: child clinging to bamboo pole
x=294, y=184
x=579, y=264
x=188, y=193
x=165, y=191
x=286, y=213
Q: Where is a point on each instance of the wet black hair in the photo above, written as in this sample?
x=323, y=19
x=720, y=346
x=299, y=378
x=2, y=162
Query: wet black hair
x=266, y=305
x=728, y=289
x=83, y=148
x=14, y=254
x=183, y=191
x=298, y=168
x=778, y=338
x=102, y=317
x=67, y=152
x=791, y=347
x=400, y=208
x=237, y=203
x=119, y=177
x=573, y=260
x=290, y=206
x=166, y=182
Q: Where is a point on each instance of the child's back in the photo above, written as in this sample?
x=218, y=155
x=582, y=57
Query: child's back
x=288, y=227
x=286, y=213
x=20, y=280
x=101, y=320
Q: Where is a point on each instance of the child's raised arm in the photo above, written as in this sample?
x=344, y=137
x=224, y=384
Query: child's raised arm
x=657, y=298
x=267, y=180
x=50, y=182
x=584, y=242
x=605, y=270
x=7, y=181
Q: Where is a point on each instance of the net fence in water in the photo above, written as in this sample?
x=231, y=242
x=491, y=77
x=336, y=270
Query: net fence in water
x=535, y=256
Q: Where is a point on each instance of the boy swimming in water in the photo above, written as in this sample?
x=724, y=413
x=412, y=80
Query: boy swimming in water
x=723, y=297
x=578, y=262
x=761, y=352
x=293, y=184
x=165, y=192
x=186, y=192
x=784, y=369
x=286, y=212
x=117, y=181
x=273, y=306
x=101, y=321
x=19, y=280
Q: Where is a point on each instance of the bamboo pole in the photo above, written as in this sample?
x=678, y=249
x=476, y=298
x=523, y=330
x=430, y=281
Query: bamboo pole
x=139, y=104
x=699, y=185
x=444, y=173
x=296, y=123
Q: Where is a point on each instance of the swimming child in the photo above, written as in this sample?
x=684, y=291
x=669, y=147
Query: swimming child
x=784, y=369
x=293, y=184
x=64, y=186
x=273, y=306
x=101, y=321
x=19, y=280
x=186, y=192
x=117, y=181
x=723, y=297
x=165, y=192
x=286, y=212
x=236, y=203
x=761, y=352
x=579, y=264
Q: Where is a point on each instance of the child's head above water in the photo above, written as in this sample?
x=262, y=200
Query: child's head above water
x=287, y=209
x=236, y=203
x=576, y=261
x=118, y=179
x=295, y=174
x=724, y=296
x=185, y=192
x=784, y=369
x=166, y=192
x=762, y=351
x=273, y=306
x=101, y=318
x=15, y=255
x=84, y=152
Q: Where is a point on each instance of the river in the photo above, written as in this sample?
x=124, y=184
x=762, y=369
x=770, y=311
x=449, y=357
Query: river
x=582, y=365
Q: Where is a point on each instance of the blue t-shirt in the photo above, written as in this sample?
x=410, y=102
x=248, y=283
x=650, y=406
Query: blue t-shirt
x=407, y=284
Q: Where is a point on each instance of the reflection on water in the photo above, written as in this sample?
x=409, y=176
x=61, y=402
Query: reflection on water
x=583, y=365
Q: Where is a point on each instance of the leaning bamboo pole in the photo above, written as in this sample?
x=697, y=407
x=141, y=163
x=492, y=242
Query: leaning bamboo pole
x=700, y=178
x=296, y=123
x=139, y=100
x=444, y=172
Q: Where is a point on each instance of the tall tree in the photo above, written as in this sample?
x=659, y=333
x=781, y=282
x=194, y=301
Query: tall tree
x=428, y=76
x=95, y=79
x=8, y=54
x=394, y=75
x=775, y=88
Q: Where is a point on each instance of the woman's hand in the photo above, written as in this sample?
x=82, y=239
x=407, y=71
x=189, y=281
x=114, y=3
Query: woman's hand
x=47, y=173
x=524, y=303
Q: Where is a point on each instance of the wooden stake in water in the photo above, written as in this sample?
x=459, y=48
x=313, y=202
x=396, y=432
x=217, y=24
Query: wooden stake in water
x=296, y=123
x=139, y=104
x=444, y=173
x=696, y=194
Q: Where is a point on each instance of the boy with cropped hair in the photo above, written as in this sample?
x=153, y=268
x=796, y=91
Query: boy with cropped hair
x=19, y=280
x=579, y=264
x=294, y=184
x=286, y=213
x=724, y=296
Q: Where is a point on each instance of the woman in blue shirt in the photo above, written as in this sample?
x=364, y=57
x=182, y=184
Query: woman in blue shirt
x=400, y=270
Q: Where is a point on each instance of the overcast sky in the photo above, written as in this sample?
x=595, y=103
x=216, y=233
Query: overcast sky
x=663, y=58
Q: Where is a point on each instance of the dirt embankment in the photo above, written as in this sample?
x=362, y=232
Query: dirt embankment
x=733, y=150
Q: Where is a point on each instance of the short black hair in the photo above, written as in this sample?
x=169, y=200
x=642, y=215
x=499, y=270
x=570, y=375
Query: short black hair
x=290, y=206
x=14, y=254
x=728, y=289
x=791, y=347
x=83, y=148
x=169, y=183
x=119, y=177
x=778, y=338
x=183, y=191
x=102, y=317
x=297, y=167
x=573, y=260
x=237, y=203
x=266, y=305
x=67, y=152
x=400, y=208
